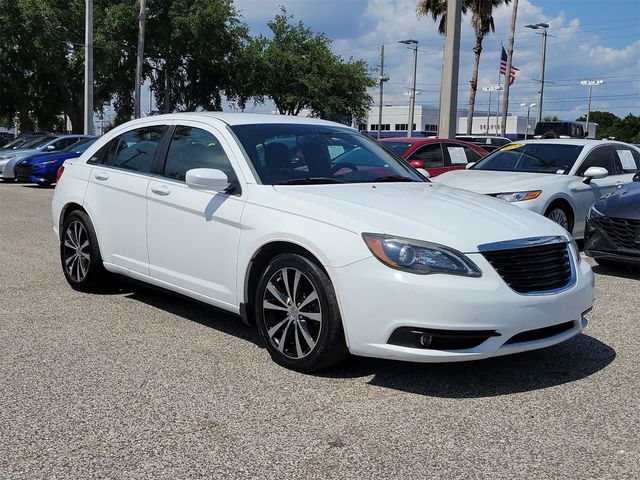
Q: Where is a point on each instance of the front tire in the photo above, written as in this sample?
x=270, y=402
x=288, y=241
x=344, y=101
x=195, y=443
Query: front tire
x=80, y=255
x=297, y=315
x=560, y=215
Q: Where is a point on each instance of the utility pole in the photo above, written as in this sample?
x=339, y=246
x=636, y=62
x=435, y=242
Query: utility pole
x=507, y=75
x=590, y=84
x=88, y=68
x=137, y=110
x=412, y=98
x=544, y=27
x=449, y=86
x=382, y=79
x=491, y=89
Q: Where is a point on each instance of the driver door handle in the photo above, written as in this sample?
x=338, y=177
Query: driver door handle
x=162, y=190
x=101, y=175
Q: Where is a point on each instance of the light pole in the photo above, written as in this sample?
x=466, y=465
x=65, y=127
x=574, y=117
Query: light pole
x=412, y=100
x=382, y=79
x=88, y=69
x=590, y=84
x=490, y=89
x=544, y=27
x=528, y=106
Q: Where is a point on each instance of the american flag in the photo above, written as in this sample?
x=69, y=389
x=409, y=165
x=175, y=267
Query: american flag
x=503, y=68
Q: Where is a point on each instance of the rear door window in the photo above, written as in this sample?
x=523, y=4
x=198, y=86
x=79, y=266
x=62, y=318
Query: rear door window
x=135, y=150
x=627, y=160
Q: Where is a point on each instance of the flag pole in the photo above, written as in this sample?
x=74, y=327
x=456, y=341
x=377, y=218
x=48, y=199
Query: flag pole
x=505, y=98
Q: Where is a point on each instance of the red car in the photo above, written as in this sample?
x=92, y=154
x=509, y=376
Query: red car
x=436, y=155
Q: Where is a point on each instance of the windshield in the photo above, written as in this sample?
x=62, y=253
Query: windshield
x=17, y=142
x=80, y=146
x=290, y=154
x=398, y=147
x=532, y=157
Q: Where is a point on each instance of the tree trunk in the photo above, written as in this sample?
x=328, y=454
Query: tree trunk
x=474, y=82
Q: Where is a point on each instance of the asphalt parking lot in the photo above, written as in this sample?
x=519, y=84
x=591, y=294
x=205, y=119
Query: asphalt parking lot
x=136, y=383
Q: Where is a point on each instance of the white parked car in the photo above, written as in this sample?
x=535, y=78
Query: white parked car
x=559, y=179
x=263, y=216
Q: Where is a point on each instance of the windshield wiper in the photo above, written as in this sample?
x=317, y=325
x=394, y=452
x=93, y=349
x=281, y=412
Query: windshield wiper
x=389, y=178
x=309, y=181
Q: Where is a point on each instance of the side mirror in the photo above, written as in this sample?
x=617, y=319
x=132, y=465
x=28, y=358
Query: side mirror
x=470, y=164
x=416, y=163
x=636, y=177
x=423, y=172
x=594, y=172
x=207, y=179
x=50, y=148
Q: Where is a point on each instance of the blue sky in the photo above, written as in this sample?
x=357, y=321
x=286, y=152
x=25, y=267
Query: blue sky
x=594, y=39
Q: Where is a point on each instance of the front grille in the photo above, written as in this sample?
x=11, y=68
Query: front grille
x=533, y=269
x=23, y=171
x=624, y=233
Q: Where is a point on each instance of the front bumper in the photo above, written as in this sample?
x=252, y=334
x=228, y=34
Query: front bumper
x=9, y=170
x=376, y=300
x=599, y=245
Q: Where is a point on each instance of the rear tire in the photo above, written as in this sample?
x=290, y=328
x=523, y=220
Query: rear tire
x=80, y=255
x=298, y=316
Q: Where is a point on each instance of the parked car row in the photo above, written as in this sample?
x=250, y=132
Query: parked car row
x=36, y=158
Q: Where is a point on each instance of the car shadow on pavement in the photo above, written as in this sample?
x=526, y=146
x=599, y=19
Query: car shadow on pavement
x=567, y=362
x=193, y=310
x=622, y=271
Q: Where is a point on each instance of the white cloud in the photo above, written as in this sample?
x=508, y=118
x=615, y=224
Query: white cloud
x=578, y=50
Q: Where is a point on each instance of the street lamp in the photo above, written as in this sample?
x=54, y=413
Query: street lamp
x=490, y=89
x=544, y=27
x=528, y=106
x=590, y=84
x=412, y=100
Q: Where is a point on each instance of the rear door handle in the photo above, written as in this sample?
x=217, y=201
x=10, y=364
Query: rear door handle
x=160, y=190
x=101, y=175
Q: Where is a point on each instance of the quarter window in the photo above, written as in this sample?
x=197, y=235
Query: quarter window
x=195, y=148
x=599, y=157
x=135, y=150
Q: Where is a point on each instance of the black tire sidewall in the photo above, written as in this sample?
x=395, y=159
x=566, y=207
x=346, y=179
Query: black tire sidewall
x=330, y=347
x=96, y=270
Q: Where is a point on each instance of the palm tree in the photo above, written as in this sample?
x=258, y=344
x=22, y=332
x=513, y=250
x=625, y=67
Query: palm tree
x=482, y=21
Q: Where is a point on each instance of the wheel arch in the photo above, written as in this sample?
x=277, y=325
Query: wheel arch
x=565, y=202
x=258, y=262
x=66, y=211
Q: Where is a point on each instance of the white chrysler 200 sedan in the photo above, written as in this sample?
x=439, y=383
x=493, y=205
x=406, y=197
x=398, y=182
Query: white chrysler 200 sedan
x=325, y=240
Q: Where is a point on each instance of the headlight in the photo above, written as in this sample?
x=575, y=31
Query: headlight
x=42, y=164
x=576, y=251
x=416, y=256
x=596, y=211
x=518, y=196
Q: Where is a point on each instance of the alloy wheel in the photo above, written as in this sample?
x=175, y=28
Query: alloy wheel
x=292, y=313
x=76, y=251
x=559, y=216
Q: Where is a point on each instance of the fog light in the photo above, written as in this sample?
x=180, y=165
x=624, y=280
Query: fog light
x=425, y=339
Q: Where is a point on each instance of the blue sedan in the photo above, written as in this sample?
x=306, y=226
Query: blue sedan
x=41, y=168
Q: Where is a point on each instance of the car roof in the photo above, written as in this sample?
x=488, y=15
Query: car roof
x=233, y=118
x=572, y=141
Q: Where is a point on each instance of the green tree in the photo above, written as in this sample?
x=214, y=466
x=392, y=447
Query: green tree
x=297, y=70
x=625, y=129
x=551, y=118
x=482, y=22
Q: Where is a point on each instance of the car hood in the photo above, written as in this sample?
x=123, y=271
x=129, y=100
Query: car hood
x=624, y=203
x=487, y=181
x=44, y=157
x=424, y=211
